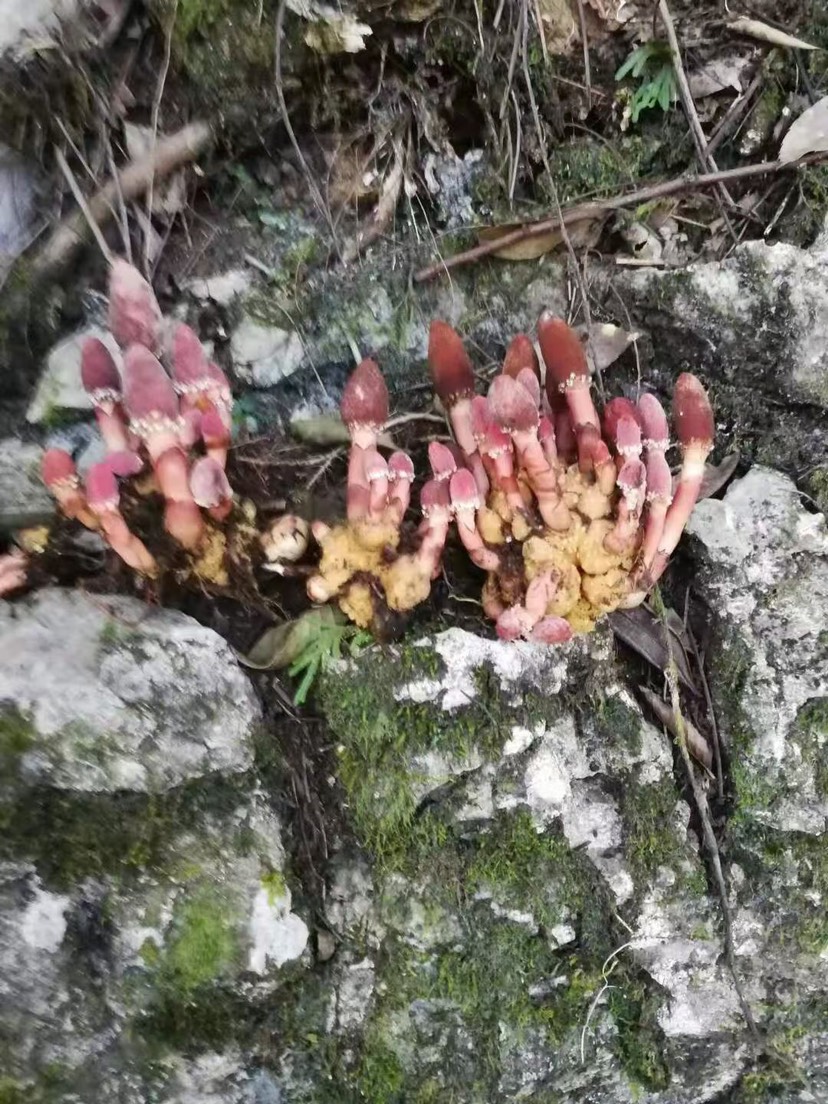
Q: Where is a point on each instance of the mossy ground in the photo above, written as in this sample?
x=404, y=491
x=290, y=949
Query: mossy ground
x=507, y=885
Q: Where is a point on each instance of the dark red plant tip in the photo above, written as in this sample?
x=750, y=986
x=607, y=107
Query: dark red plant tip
x=551, y=630
x=442, y=461
x=692, y=412
x=562, y=352
x=124, y=464
x=148, y=390
x=520, y=354
x=365, y=398
x=98, y=369
x=451, y=369
x=189, y=362
x=101, y=485
x=653, y=419
x=614, y=410
x=400, y=466
x=529, y=382
x=56, y=466
x=511, y=405
x=659, y=476
x=434, y=497
x=208, y=483
x=463, y=491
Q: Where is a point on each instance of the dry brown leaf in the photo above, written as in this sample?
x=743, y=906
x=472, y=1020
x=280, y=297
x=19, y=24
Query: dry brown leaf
x=755, y=28
x=560, y=26
x=717, y=76
x=641, y=630
x=716, y=475
x=583, y=235
x=605, y=343
x=808, y=133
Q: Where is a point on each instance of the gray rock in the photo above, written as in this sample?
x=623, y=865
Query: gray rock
x=60, y=387
x=221, y=288
x=764, y=306
x=19, y=187
x=765, y=574
x=23, y=498
x=262, y=354
x=113, y=695
x=27, y=26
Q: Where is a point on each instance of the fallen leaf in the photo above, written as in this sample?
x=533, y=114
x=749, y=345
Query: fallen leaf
x=281, y=645
x=328, y=430
x=717, y=76
x=330, y=31
x=559, y=25
x=642, y=631
x=716, y=475
x=696, y=743
x=583, y=234
x=808, y=133
x=755, y=28
x=605, y=343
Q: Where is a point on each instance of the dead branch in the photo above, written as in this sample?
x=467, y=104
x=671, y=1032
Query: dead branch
x=169, y=154
x=595, y=208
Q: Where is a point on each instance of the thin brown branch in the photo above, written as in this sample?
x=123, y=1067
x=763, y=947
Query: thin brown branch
x=595, y=208
x=170, y=153
x=80, y=199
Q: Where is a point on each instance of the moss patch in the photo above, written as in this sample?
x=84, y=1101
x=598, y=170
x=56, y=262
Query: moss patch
x=203, y=945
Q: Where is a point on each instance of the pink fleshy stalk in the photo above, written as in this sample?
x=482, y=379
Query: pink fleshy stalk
x=546, y=436
x=102, y=382
x=567, y=369
x=376, y=472
x=539, y=593
x=492, y=605
x=364, y=410
x=515, y=623
x=210, y=488
x=515, y=411
x=695, y=429
x=104, y=501
x=527, y=379
x=465, y=501
x=216, y=436
x=12, y=571
x=190, y=370
x=61, y=478
x=152, y=406
x=496, y=449
x=632, y=482
x=594, y=456
x=401, y=476
x=659, y=497
x=436, y=508
x=453, y=376
x=134, y=314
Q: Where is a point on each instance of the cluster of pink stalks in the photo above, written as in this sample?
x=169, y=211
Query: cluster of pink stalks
x=571, y=515
x=174, y=419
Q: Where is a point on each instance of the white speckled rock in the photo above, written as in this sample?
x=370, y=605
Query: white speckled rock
x=765, y=574
x=59, y=386
x=115, y=695
x=23, y=498
x=262, y=354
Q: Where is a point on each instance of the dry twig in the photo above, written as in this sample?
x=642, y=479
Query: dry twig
x=170, y=153
x=595, y=208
